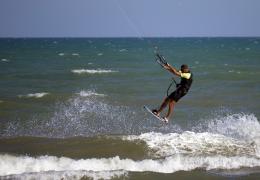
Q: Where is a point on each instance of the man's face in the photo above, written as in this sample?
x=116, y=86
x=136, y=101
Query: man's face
x=184, y=70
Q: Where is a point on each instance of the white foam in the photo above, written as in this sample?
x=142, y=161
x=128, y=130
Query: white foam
x=34, y=95
x=74, y=117
x=100, y=54
x=92, y=71
x=233, y=71
x=243, y=127
x=71, y=175
x=90, y=63
x=10, y=164
x=75, y=54
x=194, y=144
x=229, y=135
x=122, y=50
x=89, y=93
x=4, y=60
x=61, y=54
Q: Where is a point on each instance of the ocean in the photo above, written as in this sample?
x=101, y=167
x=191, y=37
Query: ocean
x=72, y=108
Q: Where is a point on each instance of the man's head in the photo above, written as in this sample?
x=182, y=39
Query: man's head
x=185, y=68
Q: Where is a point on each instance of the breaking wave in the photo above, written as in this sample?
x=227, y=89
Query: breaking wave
x=71, y=175
x=224, y=142
x=117, y=167
x=195, y=144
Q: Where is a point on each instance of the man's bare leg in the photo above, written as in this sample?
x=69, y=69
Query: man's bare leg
x=164, y=104
x=171, y=107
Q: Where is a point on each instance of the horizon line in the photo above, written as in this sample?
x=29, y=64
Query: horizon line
x=119, y=37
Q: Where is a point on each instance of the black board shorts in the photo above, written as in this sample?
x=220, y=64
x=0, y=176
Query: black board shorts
x=178, y=94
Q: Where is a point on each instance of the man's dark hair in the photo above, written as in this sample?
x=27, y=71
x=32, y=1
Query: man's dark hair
x=184, y=66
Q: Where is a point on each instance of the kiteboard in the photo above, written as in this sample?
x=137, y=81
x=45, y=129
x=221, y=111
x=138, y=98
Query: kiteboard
x=157, y=117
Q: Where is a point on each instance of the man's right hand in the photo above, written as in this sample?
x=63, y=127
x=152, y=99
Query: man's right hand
x=167, y=66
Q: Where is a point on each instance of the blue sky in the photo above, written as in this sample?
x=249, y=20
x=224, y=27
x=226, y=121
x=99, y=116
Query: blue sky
x=129, y=18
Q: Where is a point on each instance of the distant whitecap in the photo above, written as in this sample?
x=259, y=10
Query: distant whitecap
x=61, y=54
x=4, y=60
x=34, y=95
x=122, y=50
x=89, y=93
x=100, y=54
x=92, y=71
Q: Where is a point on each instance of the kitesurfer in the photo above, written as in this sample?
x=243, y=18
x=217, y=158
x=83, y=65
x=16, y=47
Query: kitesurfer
x=181, y=89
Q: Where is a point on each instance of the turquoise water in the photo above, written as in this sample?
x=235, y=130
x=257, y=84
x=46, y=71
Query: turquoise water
x=64, y=88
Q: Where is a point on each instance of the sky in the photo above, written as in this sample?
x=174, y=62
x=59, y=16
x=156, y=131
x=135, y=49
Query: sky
x=129, y=18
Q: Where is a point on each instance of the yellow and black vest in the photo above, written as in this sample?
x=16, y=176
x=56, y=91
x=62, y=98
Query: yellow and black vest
x=186, y=83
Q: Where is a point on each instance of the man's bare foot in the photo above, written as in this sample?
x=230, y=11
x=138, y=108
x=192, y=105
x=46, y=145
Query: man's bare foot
x=155, y=112
x=165, y=119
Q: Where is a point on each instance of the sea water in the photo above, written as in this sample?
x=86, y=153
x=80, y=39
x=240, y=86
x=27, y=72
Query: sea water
x=73, y=108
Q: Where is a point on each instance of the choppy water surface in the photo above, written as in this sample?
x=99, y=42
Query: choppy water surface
x=72, y=108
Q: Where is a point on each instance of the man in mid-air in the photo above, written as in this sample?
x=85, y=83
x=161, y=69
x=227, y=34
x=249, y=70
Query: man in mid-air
x=182, y=89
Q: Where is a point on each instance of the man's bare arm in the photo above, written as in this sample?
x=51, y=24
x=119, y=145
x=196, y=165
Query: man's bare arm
x=172, y=69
